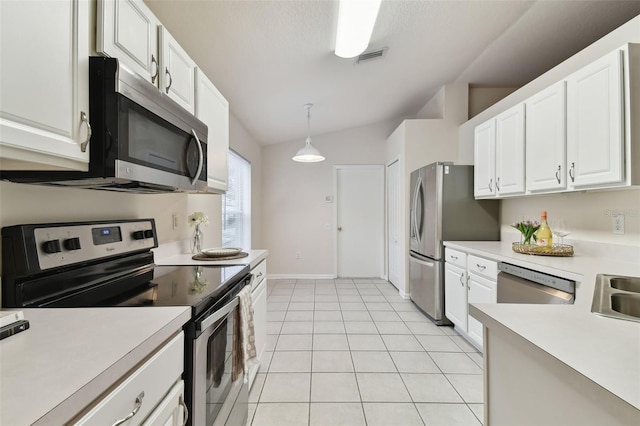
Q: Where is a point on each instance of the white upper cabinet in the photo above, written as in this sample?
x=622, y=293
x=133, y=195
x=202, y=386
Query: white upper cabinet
x=213, y=109
x=484, y=155
x=546, y=139
x=595, y=123
x=44, y=89
x=499, y=155
x=128, y=30
x=510, y=146
x=177, y=71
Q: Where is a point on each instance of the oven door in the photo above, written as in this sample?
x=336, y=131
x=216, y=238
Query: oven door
x=216, y=399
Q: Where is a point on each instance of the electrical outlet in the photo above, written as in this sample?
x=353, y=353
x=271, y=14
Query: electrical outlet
x=618, y=223
x=298, y=255
x=174, y=221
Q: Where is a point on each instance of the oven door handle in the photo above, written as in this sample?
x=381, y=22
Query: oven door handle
x=218, y=315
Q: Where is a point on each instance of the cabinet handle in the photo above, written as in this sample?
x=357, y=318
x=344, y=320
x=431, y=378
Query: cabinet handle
x=186, y=410
x=461, y=280
x=498, y=184
x=481, y=267
x=491, y=185
x=454, y=257
x=259, y=275
x=166, y=70
x=135, y=410
x=84, y=119
x=558, y=173
x=155, y=75
x=573, y=178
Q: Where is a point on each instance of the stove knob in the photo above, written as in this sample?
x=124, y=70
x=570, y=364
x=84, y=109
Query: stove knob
x=148, y=233
x=72, y=244
x=138, y=235
x=51, y=246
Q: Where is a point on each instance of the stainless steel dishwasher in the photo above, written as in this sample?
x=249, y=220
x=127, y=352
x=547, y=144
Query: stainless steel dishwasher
x=521, y=285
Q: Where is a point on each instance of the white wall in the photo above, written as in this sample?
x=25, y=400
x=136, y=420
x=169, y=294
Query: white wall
x=419, y=142
x=481, y=98
x=294, y=207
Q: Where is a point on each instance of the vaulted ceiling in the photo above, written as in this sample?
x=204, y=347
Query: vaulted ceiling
x=269, y=58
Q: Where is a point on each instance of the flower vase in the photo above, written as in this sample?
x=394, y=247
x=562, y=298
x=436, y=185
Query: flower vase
x=196, y=242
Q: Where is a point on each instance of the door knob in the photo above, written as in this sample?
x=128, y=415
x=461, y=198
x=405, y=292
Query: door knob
x=339, y=228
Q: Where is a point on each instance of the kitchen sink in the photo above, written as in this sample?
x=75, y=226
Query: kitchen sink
x=626, y=284
x=617, y=297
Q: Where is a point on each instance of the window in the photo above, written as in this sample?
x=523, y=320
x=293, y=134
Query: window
x=236, y=204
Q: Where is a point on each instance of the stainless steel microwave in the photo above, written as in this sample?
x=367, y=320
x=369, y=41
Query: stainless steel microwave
x=141, y=140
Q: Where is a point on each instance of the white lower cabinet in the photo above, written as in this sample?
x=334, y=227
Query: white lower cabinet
x=468, y=279
x=149, y=391
x=455, y=296
x=480, y=290
x=259, y=297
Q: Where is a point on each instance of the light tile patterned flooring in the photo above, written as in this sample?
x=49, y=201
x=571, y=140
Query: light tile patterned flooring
x=353, y=352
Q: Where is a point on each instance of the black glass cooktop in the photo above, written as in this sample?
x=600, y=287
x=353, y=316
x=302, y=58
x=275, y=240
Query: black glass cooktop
x=195, y=286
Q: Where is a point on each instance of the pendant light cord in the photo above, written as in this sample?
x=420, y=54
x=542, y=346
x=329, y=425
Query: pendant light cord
x=308, y=122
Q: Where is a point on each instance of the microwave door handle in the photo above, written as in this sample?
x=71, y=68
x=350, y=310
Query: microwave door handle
x=200, y=159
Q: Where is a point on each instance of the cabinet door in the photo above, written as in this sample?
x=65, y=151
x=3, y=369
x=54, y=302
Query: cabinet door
x=480, y=290
x=484, y=159
x=172, y=411
x=595, y=152
x=213, y=109
x=128, y=30
x=546, y=139
x=509, y=151
x=177, y=72
x=455, y=296
x=44, y=89
x=259, y=322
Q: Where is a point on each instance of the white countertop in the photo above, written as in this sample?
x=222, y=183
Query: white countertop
x=173, y=254
x=68, y=357
x=605, y=350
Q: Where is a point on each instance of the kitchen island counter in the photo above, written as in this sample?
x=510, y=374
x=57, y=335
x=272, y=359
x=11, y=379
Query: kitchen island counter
x=69, y=357
x=605, y=351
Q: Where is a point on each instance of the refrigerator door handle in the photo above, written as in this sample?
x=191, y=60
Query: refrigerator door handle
x=418, y=226
x=414, y=227
x=422, y=262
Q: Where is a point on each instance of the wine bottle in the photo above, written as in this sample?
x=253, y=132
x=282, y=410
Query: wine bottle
x=544, y=236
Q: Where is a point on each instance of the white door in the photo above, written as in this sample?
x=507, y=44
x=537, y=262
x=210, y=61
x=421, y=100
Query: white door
x=177, y=72
x=394, y=228
x=44, y=84
x=546, y=139
x=213, y=109
x=128, y=30
x=360, y=221
x=510, y=151
x=480, y=290
x=595, y=123
x=484, y=146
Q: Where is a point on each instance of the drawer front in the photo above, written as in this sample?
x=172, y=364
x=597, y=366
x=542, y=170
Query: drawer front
x=259, y=274
x=155, y=378
x=455, y=257
x=484, y=267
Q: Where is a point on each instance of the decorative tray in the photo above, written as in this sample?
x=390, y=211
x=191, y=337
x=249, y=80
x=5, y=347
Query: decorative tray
x=560, y=250
x=221, y=251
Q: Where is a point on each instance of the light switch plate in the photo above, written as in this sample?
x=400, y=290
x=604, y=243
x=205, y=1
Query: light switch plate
x=618, y=223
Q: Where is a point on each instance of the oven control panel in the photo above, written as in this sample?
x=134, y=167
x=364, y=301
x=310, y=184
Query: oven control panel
x=66, y=244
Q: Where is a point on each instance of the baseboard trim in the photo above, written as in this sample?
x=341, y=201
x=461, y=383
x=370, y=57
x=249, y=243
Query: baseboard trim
x=404, y=295
x=301, y=276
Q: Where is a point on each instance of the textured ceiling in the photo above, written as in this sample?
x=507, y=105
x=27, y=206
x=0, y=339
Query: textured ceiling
x=269, y=58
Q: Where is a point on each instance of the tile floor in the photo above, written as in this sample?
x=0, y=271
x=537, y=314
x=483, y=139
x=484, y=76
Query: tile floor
x=353, y=352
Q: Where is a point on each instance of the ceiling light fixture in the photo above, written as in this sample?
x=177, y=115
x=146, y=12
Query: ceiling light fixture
x=308, y=154
x=356, y=19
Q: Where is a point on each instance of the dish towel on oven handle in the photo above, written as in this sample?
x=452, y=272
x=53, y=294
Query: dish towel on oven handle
x=244, y=339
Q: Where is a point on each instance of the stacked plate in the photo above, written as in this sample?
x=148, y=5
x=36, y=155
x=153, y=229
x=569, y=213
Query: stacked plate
x=221, y=251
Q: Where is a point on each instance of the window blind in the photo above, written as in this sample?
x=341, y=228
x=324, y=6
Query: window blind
x=236, y=204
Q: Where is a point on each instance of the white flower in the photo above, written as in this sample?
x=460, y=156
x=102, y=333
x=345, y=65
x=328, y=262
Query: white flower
x=198, y=218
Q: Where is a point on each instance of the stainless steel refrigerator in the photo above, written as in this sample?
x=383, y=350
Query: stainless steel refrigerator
x=443, y=209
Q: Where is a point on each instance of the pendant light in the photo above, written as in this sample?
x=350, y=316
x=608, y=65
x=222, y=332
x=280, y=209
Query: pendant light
x=308, y=154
